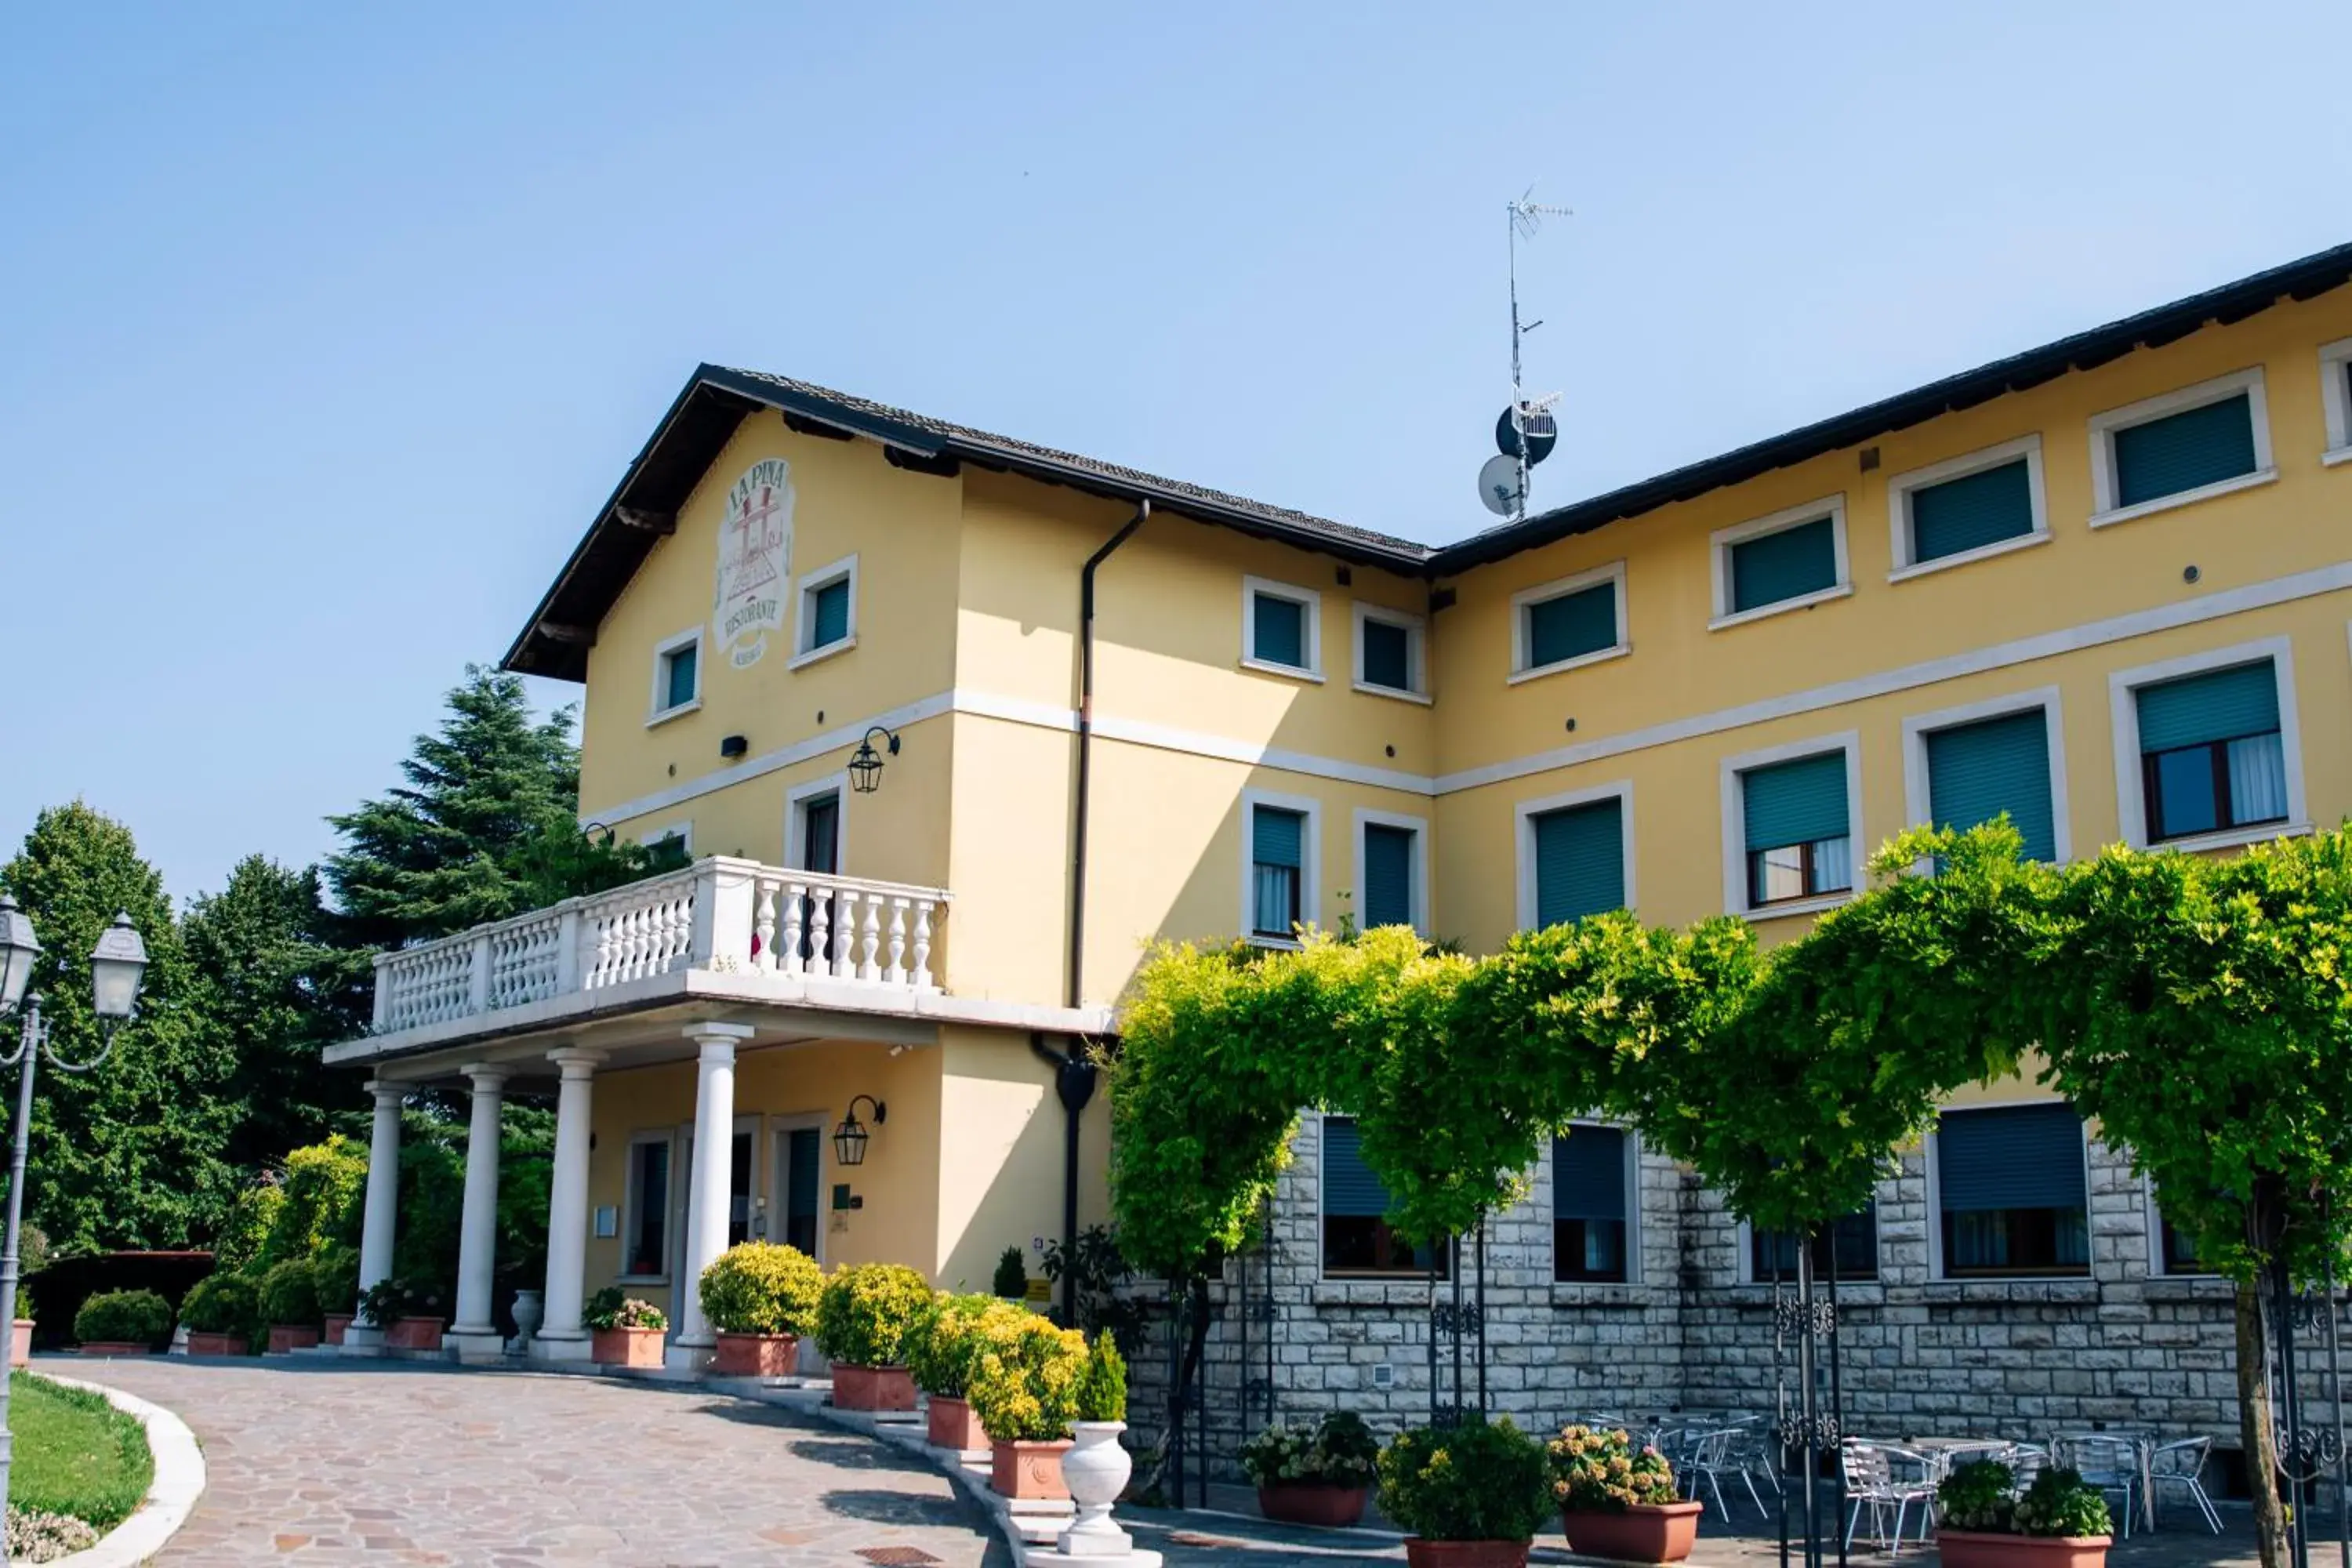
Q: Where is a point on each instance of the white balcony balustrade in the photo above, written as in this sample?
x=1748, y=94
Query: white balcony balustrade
x=720, y=914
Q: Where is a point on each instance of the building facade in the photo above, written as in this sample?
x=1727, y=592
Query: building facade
x=2102, y=586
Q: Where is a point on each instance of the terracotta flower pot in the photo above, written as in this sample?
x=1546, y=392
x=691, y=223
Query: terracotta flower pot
x=1027, y=1471
x=1420, y=1553
x=874, y=1388
x=1311, y=1502
x=953, y=1426
x=413, y=1335
x=113, y=1347
x=203, y=1344
x=1645, y=1532
x=336, y=1323
x=755, y=1355
x=285, y=1337
x=20, y=1345
x=626, y=1347
x=1983, y=1549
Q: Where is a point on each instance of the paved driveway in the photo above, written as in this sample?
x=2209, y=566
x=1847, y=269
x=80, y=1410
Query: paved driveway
x=329, y=1463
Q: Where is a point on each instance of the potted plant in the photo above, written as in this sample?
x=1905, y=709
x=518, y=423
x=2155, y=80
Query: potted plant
x=20, y=1344
x=1026, y=1390
x=942, y=1350
x=335, y=1278
x=2061, y=1522
x=1313, y=1475
x=221, y=1311
x=861, y=1325
x=290, y=1305
x=1011, y=1282
x=1096, y=1466
x=761, y=1297
x=1470, y=1496
x=624, y=1331
x=410, y=1315
x=1619, y=1501
x=122, y=1322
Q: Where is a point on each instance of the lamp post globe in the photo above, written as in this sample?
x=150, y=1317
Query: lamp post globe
x=19, y=950
x=117, y=965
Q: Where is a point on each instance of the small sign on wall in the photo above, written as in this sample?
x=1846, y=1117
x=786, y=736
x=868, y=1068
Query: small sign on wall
x=1040, y=1290
x=608, y=1222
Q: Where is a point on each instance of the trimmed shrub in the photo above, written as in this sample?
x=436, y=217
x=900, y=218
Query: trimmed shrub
x=864, y=1315
x=1478, y=1481
x=124, y=1317
x=943, y=1348
x=1012, y=1277
x=289, y=1295
x=1025, y=1387
x=762, y=1287
x=335, y=1278
x=223, y=1304
x=1102, y=1383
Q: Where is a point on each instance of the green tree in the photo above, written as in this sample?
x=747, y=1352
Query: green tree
x=135, y=1152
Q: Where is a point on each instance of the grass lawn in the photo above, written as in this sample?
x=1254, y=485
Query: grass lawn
x=75, y=1453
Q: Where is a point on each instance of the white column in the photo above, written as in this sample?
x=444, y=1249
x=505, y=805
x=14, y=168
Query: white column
x=561, y=1336
x=475, y=1333
x=382, y=1214
x=706, y=1196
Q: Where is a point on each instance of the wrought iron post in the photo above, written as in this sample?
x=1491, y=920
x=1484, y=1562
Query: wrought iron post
x=1479, y=1308
x=1805, y=1423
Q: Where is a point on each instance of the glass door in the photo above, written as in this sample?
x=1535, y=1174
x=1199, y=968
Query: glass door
x=798, y=1162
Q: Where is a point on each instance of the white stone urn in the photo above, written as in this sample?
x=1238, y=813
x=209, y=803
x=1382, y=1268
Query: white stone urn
x=1095, y=1468
x=530, y=1312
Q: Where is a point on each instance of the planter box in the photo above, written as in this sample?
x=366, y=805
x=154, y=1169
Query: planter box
x=286, y=1337
x=113, y=1347
x=1027, y=1471
x=336, y=1323
x=20, y=1344
x=202, y=1343
x=1983, y=1549
x=874, y=1388
x=640, y=1348
x=1420, y=1553
x=415, y=1333
x=1311, y=1502
x=953, y=1426
x=755, y=1355
x=1645, y=1532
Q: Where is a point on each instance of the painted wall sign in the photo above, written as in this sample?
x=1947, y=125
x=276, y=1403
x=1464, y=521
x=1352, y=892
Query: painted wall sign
x=755, y=547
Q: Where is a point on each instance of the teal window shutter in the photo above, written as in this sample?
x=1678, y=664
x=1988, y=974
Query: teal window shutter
x=1277, y=851
x=2014, y=1157
x=1976, y=772
x=1795, y=802
x=680, y=669
x=1280, y=630
x=2220, y=705
x=1350, y=1190
x=1786, y=564
x=1388, y=875
x=1588, y=1174
x=1388, y=655
x=2183, y=451
x=830, y=614
x=1570, y=625
x=1972, y=511
x=1580, y=861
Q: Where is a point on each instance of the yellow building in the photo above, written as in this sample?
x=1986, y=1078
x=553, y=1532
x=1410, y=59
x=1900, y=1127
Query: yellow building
x=952, y=725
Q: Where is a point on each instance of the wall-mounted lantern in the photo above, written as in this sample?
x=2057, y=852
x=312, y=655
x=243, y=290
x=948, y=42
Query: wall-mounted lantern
x=866, y=763
x=849, y=1138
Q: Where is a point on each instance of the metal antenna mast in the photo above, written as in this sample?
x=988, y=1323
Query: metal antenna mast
x=1527, y=218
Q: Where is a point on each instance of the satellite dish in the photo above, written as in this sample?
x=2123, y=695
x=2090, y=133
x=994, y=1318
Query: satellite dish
x=1543, y=435
x=1498, y=485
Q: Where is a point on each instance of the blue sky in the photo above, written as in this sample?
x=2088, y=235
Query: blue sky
x=327, y=328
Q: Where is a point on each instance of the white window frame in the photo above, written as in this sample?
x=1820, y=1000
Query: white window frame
x=796, y=802
x=1416, y=630
x=1419, y=827
x=2103, y=426
x=2123, y=704
x=1934, y=1163
x=681, y=831
x=668, y=1138
x=1310, y=853
x=1747, y=1268
x=804, y=612
x=1901, y=488
x=2335, y=398
x=1733, y=786
x=1615, y=573
x=655, y=713
x=1309, y=600
x=1633, y=1228
x=777, y=1127
x=1719, y=545
x=1917, y=799
x=1523, y=829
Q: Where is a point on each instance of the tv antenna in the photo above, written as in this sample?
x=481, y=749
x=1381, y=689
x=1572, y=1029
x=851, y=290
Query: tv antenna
x=1527, y=431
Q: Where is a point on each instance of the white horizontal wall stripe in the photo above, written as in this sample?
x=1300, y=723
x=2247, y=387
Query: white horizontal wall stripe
x=832, y=739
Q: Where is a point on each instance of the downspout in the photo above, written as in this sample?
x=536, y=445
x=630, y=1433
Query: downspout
x=1074, y=1084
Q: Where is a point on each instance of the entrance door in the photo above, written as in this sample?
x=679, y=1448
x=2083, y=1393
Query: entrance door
x=798, y=1162
x=740, y=1185
x=820, y=843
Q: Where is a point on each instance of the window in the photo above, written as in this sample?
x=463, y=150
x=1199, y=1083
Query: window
x=2212, y=756
x=1784, y=562
x=1388, y=652
x=828, y=622
x=644, y=1228
x=1574, y=858
x=2176, y=1248
x=1977, y=771
x=1576, y=621
x=2184, y=445
x=1280, y=630
x=2335, y=399
x=1796, y=829
x=2012, y=1192
x=1277, y=892
x=677, y=676
x=1356, y=1237
x=1853, y=1241
x=672, y=846
x=1589, y=1211
x=1390, y=875
x=1969, y=507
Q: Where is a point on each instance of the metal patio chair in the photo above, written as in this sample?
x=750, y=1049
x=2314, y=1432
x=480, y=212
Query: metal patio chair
x=1880, y=1476
x=1712, y=1458
x=2108, y=1462
x=2181, y=1463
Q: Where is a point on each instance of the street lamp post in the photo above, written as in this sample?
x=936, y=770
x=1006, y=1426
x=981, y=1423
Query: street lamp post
x=117, y=964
